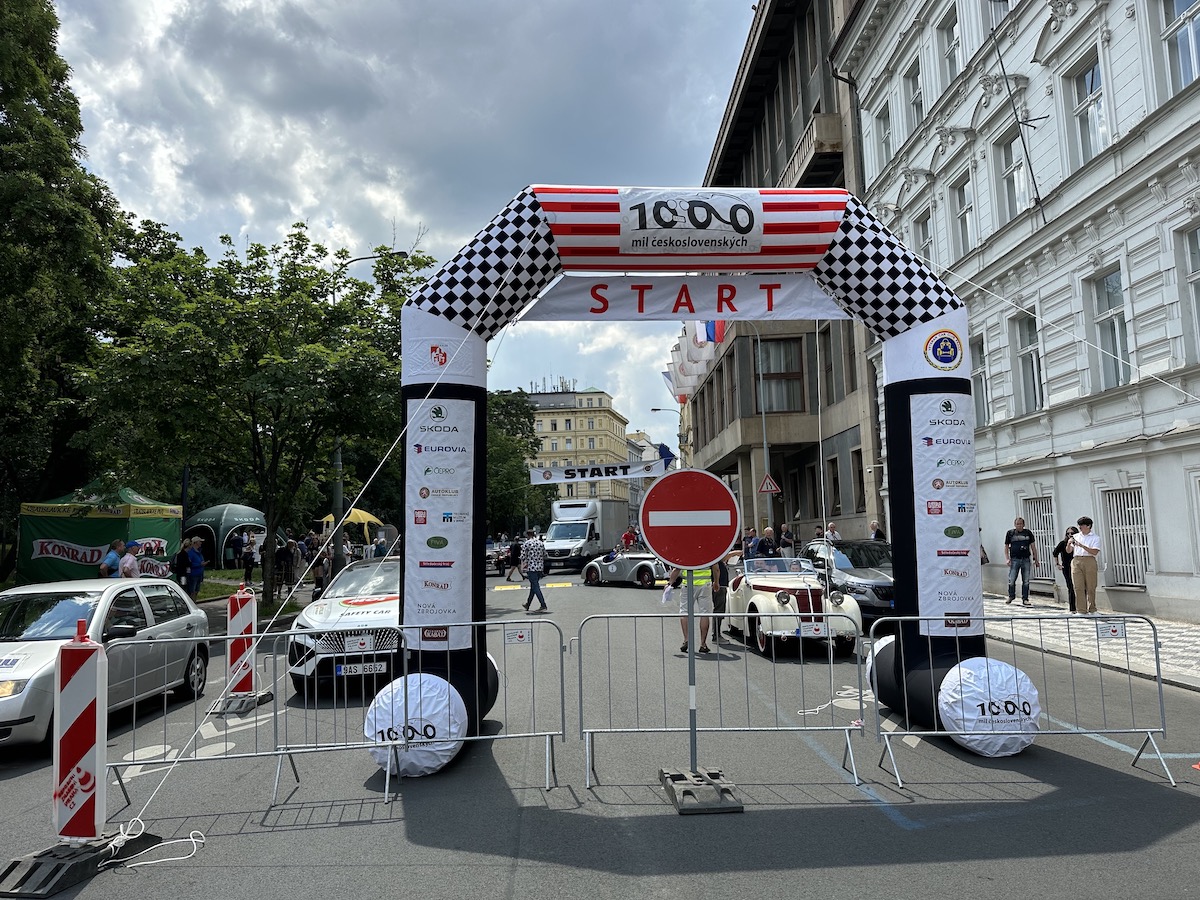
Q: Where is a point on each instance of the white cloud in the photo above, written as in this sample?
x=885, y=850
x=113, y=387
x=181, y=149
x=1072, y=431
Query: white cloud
x=371, y=120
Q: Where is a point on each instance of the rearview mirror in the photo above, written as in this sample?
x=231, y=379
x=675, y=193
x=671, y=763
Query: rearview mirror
x=119, y=632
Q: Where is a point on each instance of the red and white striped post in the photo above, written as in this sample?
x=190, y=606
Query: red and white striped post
x=243, y=619
x=80, y=738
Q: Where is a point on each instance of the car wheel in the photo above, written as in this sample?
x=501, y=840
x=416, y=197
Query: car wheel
x=195, y=676
x=645, y=577
x=591, y=577
x=763, y=642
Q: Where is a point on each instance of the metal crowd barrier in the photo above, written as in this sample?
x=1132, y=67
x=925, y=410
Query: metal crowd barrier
x=290, y=714
x=1098, y=650
x=632, y=681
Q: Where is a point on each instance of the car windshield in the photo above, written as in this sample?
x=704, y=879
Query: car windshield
x=778, y=564
x=374, y=580
x=567, y=531
x=867, y=555
x=49, y=616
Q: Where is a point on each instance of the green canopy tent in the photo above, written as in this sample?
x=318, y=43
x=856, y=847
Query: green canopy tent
x=67, y=537
x=216, y=526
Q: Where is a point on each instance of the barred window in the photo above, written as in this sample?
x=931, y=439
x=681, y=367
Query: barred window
x=1127, y=545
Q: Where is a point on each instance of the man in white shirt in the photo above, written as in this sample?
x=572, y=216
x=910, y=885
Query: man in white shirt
x=1083, y=566
x=831, y=532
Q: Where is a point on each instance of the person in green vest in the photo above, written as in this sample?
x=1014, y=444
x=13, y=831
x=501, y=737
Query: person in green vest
x=702, y=581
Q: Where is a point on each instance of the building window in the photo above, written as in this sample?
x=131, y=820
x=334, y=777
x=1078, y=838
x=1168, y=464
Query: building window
x=1126, y=543
x=1014, y=178
x=1038, y=513
x=569, y=444
x=589, y=402
x=554, y=424
x=592, y=489
x=979, y=383
x=591, y=443
x=813, y=497
x=567, y=424
x=825, y=352
x=994, y=11
x=833, y=484
x=860, y=485
x=1091, y=125
x=851, y=358
x=962, y=201
x=812, y=51
x=1111, y=333
x=949, y=45
x=1183, y=41
x=554, y=446
x=782, y=376
x=883, y=131
x=537, y=425
x=791, y=81
x=1029, y=364
x=1193, y=279
x=914, y=96
x=570, y=489
x=591, y=424
x=923, y=235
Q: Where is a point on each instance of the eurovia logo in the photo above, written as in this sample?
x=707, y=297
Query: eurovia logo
x=944, y=350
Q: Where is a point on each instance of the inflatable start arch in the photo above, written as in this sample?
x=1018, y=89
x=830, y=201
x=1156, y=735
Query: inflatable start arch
x=609, y=253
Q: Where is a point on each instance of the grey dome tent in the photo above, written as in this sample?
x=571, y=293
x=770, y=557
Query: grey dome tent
x=216, y=525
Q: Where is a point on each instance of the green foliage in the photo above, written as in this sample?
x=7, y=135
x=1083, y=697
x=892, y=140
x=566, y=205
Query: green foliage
x=250, y=369
x=56, y=227
x=512, y=442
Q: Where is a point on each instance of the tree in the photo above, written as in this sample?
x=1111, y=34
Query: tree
x=512, y=442
x=252, y=368
x=56, y=227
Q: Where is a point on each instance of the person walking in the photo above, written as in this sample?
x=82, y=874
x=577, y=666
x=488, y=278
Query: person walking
x=181, y=564
x=1020, y=553
x=1064, y=552
x=196, y=567
x=514, y=562
x=702, y=595
x=533, y=563
x=248, y=560
x=1084, y=568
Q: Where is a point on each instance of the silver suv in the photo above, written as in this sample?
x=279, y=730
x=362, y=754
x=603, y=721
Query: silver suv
x=858, y=569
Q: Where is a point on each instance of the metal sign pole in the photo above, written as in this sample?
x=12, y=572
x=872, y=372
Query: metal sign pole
x=691, y=627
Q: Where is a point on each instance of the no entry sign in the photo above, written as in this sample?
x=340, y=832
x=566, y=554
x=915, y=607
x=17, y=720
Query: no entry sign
x=690, y=518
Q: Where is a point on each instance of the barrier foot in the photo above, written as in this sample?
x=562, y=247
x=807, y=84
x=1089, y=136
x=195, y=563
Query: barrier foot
x=58, y=868
x=279, y=770
x=240, y=705
x=1150, y=740
x=589, y=762
x=848, y=753
x=895, y=770
x=120, y=783
x=387, y=775
x=703, y=791
x=551, y=770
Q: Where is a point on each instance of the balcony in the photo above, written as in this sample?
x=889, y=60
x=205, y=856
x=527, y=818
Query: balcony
x=817, y=159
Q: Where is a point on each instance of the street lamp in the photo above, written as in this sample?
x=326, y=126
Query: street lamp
x=339, y=556
x=682, y=432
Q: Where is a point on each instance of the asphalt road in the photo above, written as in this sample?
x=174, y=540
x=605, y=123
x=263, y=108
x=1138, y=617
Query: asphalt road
x=1068, y=817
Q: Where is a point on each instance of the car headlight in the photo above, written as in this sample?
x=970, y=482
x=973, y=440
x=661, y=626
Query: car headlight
x=837, y=599
x=783, y=597
x=576, y=551
x=12, y=688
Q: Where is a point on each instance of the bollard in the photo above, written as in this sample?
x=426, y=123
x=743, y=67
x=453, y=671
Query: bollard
x=243, y=620
x=80, y=738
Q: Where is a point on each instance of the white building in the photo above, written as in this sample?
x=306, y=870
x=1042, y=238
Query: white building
x=1046, y=157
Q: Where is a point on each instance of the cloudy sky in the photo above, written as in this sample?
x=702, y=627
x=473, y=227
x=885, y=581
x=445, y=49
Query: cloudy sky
x=373, y=121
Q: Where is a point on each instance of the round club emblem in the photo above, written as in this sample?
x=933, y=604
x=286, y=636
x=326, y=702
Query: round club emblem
x=944, y=350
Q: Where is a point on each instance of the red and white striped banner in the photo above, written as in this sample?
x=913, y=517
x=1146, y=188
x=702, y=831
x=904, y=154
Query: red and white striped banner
x=611, y=229
x=80, y=738
x=243, y=619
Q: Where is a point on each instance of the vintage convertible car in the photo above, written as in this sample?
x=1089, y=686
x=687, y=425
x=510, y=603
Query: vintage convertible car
x=772, y=600
x=618, y=565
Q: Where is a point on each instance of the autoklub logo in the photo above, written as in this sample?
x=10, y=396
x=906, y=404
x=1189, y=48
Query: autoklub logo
x=944, y=350
x=424, y=492
x=938, y=484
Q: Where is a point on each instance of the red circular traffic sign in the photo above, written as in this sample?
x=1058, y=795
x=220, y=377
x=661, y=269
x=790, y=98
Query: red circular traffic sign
x=690, y=518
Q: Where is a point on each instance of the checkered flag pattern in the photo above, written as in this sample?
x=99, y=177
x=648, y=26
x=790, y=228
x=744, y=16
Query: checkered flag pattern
x=492, y=279
x=877, y=280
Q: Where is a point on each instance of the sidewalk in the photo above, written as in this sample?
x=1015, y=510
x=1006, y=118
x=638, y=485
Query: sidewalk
x=1067, y=635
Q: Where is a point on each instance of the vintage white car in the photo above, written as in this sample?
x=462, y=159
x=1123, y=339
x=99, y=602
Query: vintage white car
x=620, y=565
x=773, y=600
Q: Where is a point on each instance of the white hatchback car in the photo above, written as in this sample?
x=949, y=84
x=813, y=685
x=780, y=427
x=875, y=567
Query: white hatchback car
x=36, y=619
